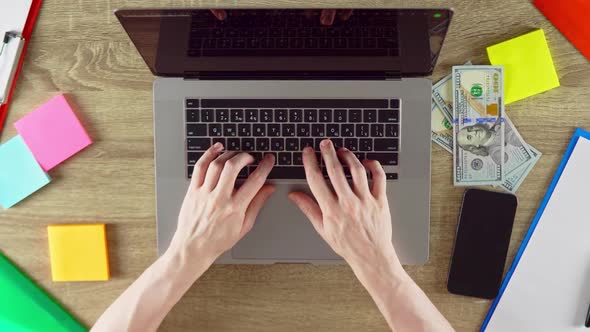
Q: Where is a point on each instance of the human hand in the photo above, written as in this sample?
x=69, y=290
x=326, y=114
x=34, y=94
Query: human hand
x=214, y=215
x=354, y=220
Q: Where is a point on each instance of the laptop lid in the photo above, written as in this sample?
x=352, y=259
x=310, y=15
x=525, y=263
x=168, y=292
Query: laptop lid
x=287, y=43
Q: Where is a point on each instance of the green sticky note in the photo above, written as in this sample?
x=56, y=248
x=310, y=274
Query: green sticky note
x=528, y=66
x=26, y=307
x=20, y=174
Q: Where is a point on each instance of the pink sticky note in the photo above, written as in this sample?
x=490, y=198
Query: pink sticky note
x=53, y=133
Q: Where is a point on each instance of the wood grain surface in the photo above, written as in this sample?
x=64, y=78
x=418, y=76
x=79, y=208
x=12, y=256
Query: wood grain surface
x=79, y=48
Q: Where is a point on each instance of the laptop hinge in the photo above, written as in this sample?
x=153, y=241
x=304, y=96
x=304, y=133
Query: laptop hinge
x=393, y=76
x=285, y=75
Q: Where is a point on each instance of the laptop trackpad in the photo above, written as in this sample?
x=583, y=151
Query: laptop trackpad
x=283, y=233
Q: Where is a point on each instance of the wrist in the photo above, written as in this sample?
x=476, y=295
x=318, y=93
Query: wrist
x=188, y=264
x=381, y=269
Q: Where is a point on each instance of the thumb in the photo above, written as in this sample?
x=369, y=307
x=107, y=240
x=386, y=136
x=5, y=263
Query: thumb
x=254, y=208
x=310, y=209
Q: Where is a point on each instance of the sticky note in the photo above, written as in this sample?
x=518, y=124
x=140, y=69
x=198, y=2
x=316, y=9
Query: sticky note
x=20, y=174
x=528, y=66
x=53, y=133
x=78, y=252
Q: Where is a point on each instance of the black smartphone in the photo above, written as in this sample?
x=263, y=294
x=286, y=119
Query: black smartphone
x=481, y=243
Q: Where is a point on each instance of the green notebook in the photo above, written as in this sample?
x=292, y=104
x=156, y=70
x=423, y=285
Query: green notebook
x=25, y=307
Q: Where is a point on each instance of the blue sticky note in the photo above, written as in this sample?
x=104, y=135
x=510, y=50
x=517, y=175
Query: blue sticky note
x=20, y=174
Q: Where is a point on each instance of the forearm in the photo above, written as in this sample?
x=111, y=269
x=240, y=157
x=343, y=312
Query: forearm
x=145, y=304
x=401, y=301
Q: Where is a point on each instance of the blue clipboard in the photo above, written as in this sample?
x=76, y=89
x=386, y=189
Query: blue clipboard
x=568, y=152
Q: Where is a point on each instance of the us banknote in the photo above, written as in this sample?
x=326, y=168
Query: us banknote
x=442, y=130
x=478, y=125
x=514, y=179
x=442, y=94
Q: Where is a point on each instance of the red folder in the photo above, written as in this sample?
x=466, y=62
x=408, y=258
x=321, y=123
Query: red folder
x=27, y=32
x=571, y=18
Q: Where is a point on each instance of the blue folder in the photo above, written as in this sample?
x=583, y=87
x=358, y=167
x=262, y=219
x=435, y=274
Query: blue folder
x=570, y=148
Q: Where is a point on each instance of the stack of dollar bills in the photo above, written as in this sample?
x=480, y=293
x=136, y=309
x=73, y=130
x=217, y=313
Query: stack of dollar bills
x=469, y=121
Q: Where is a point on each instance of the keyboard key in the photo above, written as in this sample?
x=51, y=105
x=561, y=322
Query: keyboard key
x=383, y=158
x=295, y=115
x=277, y=144
x=193, y=157
x=377, y=130
x=318, y=130
x=229, y=129
x=347, y=130
x=192, y=103
x=233, y=144
x=391, y=176
x=370, y=116
x=274, y=129
x=362, y=130
x=288, y=129
x=292, y=144
x=283, y=172
x=244, y=129
x=316, y=144
x=257, y=157
x=355, y=116
x=237, y=115
x=192, y=115
x=351, y=144
x=303, y=130
x=243, y=174
x=218, y=139
x=199, y=144
x=207, y=115
x=251, y=115
x=262, y=144
x=297, y=158
x=273, y=153
x=266, y=116
x=310, y=115
x=285, y=158
x=247, y=144
x=391, y=130
x=340, y=115
x=388, y=115
x=394, y=103
x=333, y=130
x=325, y=115
x=215, y=129
x=259, y=129
x=281, y=115
x=338, y=143
x=306, y=104
x=196, y=129
x=365, y=144
x=360, y=155
x=190, y=171
x=222, y=115
x=305, y=142
x=386, y=144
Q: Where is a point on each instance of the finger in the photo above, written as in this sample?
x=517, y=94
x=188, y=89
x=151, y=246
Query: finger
x=378, y=176
x=255, y=206
x=256, y=180
x=335, y=170
x=345, y=14
x=215, y=169
x=231, y=169
x=358, y=172
x=327, y=16
x=315, y=179
x=310, y=209
x=220, y=14
x=203, y=164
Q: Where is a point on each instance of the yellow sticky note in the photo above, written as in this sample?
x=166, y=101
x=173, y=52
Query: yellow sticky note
x=528, y=66
x=78, y=252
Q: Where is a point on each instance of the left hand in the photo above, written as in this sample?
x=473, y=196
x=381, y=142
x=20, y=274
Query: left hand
x=214, y=215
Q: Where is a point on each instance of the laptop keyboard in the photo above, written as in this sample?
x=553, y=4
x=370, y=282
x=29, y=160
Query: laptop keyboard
x=370, y=128
x=293, y=34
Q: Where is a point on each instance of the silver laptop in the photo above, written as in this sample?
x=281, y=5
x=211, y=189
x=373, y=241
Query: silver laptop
x=275, y=81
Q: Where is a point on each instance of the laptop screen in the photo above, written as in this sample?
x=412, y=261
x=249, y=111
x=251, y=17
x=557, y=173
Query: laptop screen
x=334, y=42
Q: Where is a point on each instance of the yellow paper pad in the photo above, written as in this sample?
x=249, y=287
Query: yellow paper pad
x=528, y=66
x=78, y=252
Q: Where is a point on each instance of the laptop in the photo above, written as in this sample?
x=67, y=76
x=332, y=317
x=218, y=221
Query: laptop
x=277, y=80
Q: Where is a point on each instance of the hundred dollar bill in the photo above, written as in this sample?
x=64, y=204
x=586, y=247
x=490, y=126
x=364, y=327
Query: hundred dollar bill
x=478, y=125
x=516, y=150
x=442, y=94
x=515, y=178
x=442, y=130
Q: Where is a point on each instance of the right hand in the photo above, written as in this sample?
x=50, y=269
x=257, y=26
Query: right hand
x=354, y=220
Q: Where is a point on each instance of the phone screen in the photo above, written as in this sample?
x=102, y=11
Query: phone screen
x=481, y=243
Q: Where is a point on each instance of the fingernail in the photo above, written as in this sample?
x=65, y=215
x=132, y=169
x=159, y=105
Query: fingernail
x=325, y=143
x=343, y=149
x=217, y=145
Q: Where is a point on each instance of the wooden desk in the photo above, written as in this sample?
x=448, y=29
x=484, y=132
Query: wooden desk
x=79, y=48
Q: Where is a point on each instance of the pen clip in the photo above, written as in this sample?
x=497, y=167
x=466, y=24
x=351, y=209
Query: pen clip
x=8, y=35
